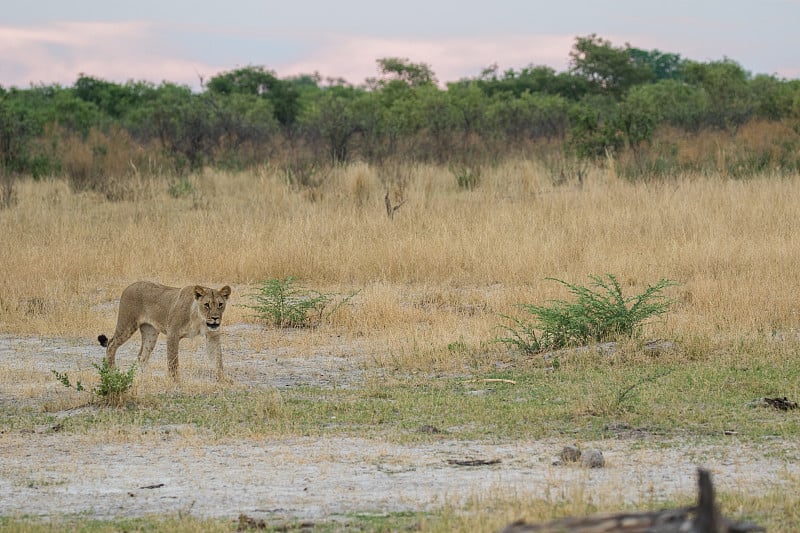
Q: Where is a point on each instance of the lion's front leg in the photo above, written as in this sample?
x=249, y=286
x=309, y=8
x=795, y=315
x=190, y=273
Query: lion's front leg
x=214, y=352
x=172, y=355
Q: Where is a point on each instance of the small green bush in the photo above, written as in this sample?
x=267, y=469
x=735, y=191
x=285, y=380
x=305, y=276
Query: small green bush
x=599, y=313
x=114, y=383
x=285, y=304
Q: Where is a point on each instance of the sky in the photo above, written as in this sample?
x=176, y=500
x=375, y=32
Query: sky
x=184, y=42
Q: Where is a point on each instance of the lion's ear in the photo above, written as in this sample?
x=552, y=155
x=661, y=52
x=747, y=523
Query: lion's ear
x=225, y=292
x=199, y=292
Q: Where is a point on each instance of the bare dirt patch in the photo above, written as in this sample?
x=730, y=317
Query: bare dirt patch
x=177, y=470
x=323, y=478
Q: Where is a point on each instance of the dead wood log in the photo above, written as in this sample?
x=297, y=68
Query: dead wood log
x=783, y=404
x=473, y=462
x=702, y=518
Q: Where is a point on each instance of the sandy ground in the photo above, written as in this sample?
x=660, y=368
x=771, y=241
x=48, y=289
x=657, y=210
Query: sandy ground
x=175, y=470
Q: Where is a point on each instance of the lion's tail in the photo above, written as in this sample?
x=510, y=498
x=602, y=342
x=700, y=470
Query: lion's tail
x=103, y=340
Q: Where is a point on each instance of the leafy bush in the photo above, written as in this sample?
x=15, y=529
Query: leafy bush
x=599, y=313
x=113, y=382
x=113, y=385
x=285, y=304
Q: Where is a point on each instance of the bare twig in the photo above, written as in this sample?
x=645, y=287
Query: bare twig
x=473, y=462
x=390, y=209
x=491, y=380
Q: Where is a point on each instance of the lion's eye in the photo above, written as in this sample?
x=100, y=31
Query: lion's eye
x=207, y=306
x=220, y=305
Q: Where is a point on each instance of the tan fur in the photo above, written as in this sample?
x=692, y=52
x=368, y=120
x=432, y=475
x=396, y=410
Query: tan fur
x=177, y=313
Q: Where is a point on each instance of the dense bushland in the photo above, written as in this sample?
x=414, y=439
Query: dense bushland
x=652, y=113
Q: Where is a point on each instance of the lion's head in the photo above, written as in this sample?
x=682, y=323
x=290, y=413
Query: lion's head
x=211, y=304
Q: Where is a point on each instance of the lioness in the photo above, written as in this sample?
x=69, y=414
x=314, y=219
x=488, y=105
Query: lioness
x=178, y=313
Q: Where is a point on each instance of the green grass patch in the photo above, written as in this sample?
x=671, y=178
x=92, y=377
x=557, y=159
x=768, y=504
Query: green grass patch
x=584, y=397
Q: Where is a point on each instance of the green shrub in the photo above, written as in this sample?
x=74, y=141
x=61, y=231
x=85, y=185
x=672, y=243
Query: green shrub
x=599, y=313
x=285, y=304
x=113, y=385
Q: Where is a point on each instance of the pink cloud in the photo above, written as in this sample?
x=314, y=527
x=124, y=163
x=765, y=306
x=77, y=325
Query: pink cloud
x=118, y=51
x=354, y=58
x=788, y=72
x=68, y=33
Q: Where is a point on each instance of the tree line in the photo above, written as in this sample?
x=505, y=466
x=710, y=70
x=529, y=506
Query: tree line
x=611, y=100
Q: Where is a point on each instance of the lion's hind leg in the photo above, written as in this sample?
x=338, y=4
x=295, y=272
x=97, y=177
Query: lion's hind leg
x=149, y=338
x=119, y=338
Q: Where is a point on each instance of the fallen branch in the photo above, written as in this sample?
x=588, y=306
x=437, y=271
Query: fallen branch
x=491, y=380
x=702, y=518
x=784, y=404
x=473, y=462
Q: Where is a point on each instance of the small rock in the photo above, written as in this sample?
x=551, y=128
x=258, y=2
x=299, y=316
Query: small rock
x=592, y=459
x=570, y=454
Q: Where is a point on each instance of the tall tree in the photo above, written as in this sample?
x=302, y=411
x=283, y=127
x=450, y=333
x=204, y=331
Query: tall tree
x=610, y=70
x=404, y=71
x=726, y=83
x=255, y=80
x=663, y=65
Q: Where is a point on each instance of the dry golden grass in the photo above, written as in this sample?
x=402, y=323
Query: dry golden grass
x=440, y=271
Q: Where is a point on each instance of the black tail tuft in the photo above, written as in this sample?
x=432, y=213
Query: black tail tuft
x=103, y=340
